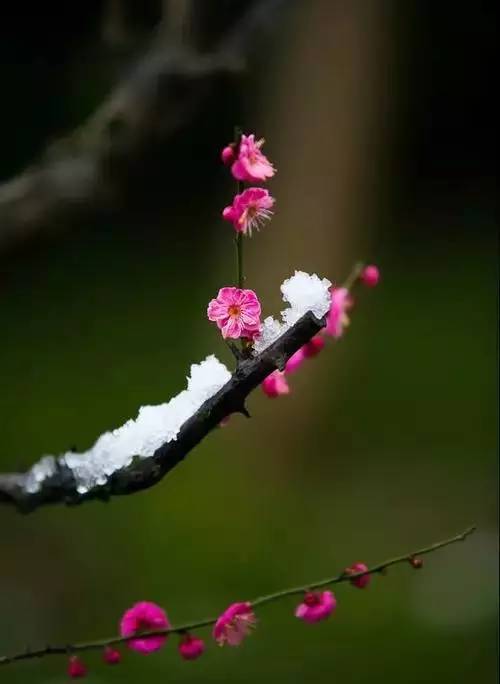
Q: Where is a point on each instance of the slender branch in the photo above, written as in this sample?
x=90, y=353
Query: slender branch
x=353, y=275
x=144, y=473
x=239, y=260
x=239, y=235
x=259, y=601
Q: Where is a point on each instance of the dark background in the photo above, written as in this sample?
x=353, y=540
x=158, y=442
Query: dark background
x=379, y=116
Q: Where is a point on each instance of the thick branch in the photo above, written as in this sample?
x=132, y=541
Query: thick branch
x=144, y=473
x=344, y=576
x=90, y=168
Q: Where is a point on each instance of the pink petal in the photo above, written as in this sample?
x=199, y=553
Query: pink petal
x=232, y=328
x=216, y=310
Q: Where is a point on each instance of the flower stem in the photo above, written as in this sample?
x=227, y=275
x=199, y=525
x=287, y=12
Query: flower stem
x=239, y=260
x=239, y=236
x=353, y=275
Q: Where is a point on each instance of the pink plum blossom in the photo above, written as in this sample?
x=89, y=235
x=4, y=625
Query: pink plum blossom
x=370, y=276
x=142, y=617
x=191, y=647
x=337, y=318
x=227, y=154
x=111, y=655
x=236, y=312
x=363, y=580
x=275, y=385
x=76, y=668
x=251, y=165
x=249, y=210
x=316, y=606
x=235, y=623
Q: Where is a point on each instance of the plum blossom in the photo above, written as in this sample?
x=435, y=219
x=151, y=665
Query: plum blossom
x=235, y=623
x=191, y=647
x=316, y=606
x=363, y=580
x=249, y=210
x=275, y=385
x=370, y=276
x=337, y=318
x=236, y=312
x=142, y=617
x=76, y=668
x=251, y=165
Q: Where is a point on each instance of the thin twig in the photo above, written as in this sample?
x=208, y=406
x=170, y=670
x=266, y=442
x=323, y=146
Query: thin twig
x=259, y=601
x=239, y=236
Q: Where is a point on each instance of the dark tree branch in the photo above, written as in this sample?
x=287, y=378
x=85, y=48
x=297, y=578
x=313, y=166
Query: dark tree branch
x=344, y=576
x=144, y=473
x=88, y=170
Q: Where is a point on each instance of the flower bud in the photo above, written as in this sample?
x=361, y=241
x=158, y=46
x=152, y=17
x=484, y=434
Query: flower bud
x=370, y=276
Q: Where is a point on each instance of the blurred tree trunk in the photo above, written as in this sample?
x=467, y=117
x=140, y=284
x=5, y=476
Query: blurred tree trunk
x=326, y=98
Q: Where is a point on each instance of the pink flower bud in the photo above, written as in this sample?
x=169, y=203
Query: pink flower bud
x=227, y=155
x=111, y=655
x=76, y=668
x=370, y=276
x=363, y=580
x=275, y=385
x=313, y=347
x=190, y=647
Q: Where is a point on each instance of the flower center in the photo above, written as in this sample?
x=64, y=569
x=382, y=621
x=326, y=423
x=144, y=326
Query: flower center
x=234, y=311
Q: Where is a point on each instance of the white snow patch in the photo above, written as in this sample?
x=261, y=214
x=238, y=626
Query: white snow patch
x=32, y=480
x=141, y=437
x=304, y=293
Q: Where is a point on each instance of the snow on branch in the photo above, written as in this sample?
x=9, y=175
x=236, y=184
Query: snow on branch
x=141, y=452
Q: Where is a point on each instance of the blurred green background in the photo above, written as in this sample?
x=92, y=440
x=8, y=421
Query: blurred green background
x=376, y=116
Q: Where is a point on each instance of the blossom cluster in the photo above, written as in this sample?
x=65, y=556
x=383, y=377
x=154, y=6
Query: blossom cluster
x=237, y=311
x=146, y=626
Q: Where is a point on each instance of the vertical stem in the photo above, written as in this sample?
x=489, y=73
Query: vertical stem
x=239, y=236
x=239, y=257
x=353, y=275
